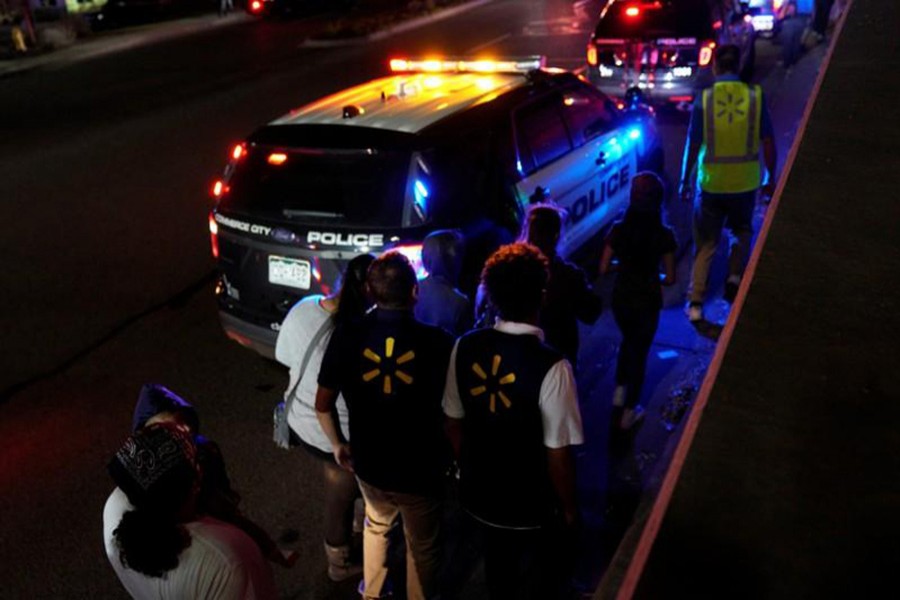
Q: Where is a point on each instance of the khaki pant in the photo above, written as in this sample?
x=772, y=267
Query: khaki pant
x=714, y=212
x=421, y=528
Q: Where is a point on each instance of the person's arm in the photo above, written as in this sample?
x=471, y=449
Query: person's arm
x=769, y=151
x=770, y=159
x=326, y=399
x=691, y=151
x=561, y=465
x=668, y=261
x=606, y=259
x=561, y=422
x=452, y=405
x=588, y=305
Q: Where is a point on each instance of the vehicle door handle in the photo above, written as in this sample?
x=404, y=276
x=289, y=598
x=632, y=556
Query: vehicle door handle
x=601, y=159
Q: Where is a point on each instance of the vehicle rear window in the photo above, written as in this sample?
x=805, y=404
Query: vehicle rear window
x=672, y=18
x=355, y=186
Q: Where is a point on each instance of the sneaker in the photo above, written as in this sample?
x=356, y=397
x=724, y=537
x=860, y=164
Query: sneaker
x=632, y=417
x=694, y=312
x=731, y=289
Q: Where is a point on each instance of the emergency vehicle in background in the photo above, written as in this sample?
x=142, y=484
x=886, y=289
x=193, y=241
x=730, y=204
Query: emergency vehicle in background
x=766, y=16
x=438, y=144
x=665, y=47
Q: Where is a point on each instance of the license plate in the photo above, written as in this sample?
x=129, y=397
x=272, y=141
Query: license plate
x=291, y=272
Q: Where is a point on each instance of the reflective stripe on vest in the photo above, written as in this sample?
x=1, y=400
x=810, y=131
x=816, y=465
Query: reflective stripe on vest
x=729, y=157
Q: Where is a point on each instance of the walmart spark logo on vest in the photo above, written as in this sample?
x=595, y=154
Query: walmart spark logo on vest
x=387, y=367
x=493, y=384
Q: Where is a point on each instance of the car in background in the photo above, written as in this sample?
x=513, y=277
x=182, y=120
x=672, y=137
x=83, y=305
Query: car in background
x=766, y=16
x=437, y=144
x=665, y=47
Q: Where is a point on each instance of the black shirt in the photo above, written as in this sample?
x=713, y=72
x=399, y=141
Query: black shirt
x=391, y=370
x=639, y=244
x=570, y=298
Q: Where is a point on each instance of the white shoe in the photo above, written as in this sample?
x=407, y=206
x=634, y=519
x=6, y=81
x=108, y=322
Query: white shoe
x=694, y=312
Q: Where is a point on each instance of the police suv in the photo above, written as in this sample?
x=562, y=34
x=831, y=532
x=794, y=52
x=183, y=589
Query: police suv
x=437, y=144
x=665, y=47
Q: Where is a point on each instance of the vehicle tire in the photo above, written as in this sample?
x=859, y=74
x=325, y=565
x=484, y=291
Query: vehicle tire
x=749, y=64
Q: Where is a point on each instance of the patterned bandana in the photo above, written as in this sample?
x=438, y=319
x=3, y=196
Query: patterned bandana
x=152, y=452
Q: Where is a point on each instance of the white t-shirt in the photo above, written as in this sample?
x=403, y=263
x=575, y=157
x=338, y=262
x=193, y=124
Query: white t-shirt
x=297, y=331
x=558, y=402
x=222, y=562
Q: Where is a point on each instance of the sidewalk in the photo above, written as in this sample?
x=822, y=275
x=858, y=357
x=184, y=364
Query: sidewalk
x=110, y=42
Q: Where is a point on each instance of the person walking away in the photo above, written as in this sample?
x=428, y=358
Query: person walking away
x=569, y=298
x=512, y=417
x=225, y=7
x=729, y=125
x=440, y=302
x=391, y=370
x=792, y=27
x=640, y=242
x=821, y=18
x=216, y=498
x=157, y=541
x=348, y=303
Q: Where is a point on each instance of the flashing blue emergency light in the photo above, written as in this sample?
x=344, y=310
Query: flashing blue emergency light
x=634, y=133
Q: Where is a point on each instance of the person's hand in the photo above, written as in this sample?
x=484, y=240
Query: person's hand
x=343, y=457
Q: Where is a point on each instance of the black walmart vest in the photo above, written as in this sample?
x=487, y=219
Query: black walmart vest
x=503, y=466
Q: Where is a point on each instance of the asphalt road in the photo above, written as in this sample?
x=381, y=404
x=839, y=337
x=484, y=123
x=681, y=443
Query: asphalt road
x=106, y=167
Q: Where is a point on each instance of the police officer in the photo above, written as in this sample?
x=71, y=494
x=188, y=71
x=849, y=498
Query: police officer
x=729, y=125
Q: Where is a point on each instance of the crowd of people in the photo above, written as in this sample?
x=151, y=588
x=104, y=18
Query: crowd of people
x=399, y=388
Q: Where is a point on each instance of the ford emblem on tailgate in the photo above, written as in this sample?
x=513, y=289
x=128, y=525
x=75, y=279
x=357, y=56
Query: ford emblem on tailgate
x=283, y=235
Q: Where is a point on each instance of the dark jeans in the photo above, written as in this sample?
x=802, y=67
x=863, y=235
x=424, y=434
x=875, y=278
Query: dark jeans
x=638, y=326
x=791, y=40
x=530, y=564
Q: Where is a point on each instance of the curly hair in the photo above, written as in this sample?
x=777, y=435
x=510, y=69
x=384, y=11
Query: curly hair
x=149, y=542
x=515, y=277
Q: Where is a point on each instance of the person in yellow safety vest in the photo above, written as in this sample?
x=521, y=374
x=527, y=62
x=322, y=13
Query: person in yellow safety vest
x=729, y=125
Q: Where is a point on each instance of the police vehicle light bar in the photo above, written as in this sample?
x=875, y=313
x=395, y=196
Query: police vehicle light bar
x=522, y=65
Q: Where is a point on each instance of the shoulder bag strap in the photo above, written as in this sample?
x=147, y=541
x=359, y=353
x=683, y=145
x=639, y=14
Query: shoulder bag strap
x=312, y=344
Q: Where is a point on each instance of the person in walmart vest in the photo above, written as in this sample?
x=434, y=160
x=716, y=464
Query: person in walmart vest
x=730, y=124
x=512, y=417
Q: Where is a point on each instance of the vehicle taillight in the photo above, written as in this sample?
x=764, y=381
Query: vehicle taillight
x=277, y=158
x=706, y=53
x=255, y=6
x=238, y=152
x=219, y=189
x=214, y=235
x=633, y=12
x=592, y=55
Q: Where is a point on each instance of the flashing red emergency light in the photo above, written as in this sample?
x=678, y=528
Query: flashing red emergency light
x=632, y=11
x=239, y=151
x=256, y=6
